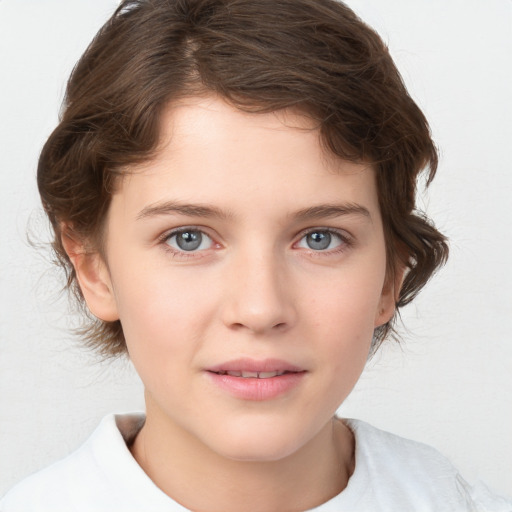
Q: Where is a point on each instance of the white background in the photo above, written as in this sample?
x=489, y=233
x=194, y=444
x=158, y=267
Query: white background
x=448, y=384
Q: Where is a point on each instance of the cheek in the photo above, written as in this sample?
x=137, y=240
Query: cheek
x=343, y=317
x=161, y=337
x=159, y=313
x=349, y=301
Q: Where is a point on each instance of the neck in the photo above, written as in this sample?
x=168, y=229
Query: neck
x=179, y=464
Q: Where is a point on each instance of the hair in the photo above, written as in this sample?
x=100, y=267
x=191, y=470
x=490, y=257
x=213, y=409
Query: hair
x=314, y=56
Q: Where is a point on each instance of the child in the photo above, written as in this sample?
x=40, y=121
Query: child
x=232, y=190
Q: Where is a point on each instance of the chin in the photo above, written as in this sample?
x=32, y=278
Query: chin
x=259, y=441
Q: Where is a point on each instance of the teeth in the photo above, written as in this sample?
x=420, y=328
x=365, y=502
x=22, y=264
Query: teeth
x=253, y=375
x=268, y=375
x=249, y=375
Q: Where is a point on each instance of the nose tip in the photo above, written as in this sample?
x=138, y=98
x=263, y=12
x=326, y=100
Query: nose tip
x=261, y=301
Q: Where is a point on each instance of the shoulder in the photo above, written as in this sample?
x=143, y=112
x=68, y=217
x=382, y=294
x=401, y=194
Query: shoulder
x=405, y=473
x=101, y=475
x=378, y=447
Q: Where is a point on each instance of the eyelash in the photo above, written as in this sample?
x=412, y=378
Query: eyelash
x=346, y=241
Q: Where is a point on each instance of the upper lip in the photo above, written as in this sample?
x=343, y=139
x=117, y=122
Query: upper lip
x=253, y=365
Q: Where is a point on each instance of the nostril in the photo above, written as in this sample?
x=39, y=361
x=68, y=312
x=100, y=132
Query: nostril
x=276, y=327
x=237, y=325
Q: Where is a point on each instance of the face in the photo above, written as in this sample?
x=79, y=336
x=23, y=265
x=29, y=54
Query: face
x=248, y=271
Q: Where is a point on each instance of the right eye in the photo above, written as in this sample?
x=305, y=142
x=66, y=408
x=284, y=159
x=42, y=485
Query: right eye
x=323, y=240
x=188, y=240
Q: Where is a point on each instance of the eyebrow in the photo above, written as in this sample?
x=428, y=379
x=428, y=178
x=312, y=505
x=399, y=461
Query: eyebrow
x=323, y=211
x=326, y=211
x=190, y=210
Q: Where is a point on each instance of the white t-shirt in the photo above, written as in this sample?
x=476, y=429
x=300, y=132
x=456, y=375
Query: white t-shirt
x=391, y=474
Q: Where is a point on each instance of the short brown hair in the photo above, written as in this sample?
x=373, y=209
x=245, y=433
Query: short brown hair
x=316, y=56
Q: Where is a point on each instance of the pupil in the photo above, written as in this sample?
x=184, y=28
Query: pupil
x=319, y=240
x=189, y=240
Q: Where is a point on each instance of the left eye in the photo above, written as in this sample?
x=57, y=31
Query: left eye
x=189, y=240
x=321, y=240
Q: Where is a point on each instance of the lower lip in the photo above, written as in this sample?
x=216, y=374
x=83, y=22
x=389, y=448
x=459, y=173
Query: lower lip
x=257, y=389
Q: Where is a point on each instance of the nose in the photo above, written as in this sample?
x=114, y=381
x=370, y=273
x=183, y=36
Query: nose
x=259, y=294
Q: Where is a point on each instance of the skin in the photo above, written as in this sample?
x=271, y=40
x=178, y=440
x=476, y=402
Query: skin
x=255, y=289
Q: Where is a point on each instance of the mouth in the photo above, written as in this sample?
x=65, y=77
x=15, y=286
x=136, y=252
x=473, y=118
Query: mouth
x=254, y=375
x=255, y=369
x=249, y=379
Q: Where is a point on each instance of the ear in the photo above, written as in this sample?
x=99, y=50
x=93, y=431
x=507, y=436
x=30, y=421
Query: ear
x=93, y=277
x=389, y=297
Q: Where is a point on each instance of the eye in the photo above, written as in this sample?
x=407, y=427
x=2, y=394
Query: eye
x=322, y=240
x=189, y=240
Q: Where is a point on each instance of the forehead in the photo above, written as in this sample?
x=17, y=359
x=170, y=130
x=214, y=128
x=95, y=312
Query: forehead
x=211, y=152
